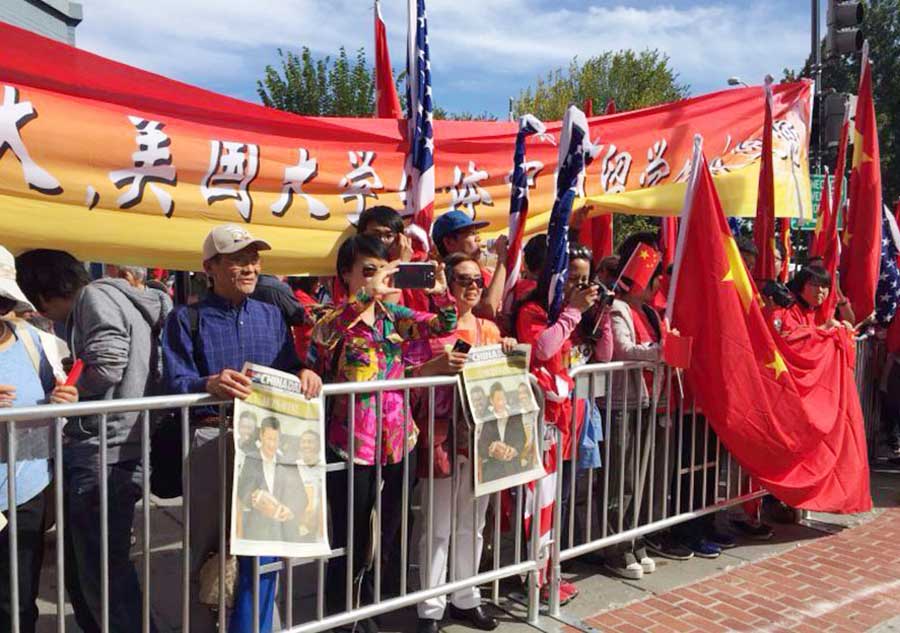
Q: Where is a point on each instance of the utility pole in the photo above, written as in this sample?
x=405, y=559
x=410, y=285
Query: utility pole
x=816, y=57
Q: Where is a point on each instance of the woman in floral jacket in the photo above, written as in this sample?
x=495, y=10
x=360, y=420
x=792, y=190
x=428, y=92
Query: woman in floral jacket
x=364, y=339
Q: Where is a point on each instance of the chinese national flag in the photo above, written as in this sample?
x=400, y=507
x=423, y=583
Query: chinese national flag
x=861, y=256
x=788, y=411
x=637, y=272
x=668, y=239
x=764, y=224
x=825, y=245
x=387, y=103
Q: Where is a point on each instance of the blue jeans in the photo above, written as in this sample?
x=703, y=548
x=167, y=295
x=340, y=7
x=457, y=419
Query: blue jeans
x=242, y=615
x=82, y=541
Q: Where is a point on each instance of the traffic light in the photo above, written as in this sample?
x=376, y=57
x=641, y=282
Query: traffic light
x=834, y=107
x=844, y=19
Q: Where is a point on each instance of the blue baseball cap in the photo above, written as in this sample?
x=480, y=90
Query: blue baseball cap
x=451, y=222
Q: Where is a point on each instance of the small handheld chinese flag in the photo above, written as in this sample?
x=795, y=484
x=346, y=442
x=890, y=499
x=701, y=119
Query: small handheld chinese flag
x=640, y=267
x=676, y=349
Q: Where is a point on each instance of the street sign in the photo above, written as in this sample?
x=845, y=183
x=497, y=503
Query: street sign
x=818, y=182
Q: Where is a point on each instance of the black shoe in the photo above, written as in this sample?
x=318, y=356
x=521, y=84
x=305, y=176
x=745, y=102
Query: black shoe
x=754, y=531
x=476, y=617
x=427, y=626
x=665, y=546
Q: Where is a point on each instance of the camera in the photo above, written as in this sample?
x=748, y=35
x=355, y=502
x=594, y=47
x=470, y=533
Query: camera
x=779, y=294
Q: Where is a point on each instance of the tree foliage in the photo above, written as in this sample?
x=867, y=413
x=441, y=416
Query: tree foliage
x=882, y=29
x=319, y=87
x=633, y=79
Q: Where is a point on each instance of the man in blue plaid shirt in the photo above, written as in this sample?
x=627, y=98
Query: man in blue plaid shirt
x=204, y=348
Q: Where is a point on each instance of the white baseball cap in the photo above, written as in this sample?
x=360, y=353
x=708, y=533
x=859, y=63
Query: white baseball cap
x=8, y=286
x=230, y=238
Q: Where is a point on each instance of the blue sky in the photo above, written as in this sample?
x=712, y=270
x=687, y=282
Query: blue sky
x=483, y=51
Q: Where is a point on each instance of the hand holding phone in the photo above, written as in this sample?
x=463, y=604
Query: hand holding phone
x=461, y=346
x=419, y=275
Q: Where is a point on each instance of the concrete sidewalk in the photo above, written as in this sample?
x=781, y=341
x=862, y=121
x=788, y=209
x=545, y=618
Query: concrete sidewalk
x=839, y=571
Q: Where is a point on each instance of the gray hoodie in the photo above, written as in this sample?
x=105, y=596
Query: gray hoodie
x=114, y=328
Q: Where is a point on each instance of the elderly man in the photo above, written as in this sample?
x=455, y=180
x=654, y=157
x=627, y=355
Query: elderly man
x=204, y=348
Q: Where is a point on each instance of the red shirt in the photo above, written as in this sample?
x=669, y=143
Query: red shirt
x=303, y=332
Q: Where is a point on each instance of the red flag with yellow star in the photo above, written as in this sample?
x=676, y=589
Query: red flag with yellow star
x=639, y=268
x=788, y=410
x=861, y=256
x=826, y=245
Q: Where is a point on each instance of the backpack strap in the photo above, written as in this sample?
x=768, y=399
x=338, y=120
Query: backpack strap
x=22, y=333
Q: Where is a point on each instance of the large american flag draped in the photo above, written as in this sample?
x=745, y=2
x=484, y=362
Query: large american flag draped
x=419, y=106
x=518, y=202
x=887, y=297
x=572, y=143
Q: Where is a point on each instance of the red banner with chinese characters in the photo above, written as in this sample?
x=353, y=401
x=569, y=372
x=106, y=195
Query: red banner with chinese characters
x=120, y=165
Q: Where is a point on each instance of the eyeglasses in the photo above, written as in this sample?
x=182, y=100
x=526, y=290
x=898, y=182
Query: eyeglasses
x=466, y=282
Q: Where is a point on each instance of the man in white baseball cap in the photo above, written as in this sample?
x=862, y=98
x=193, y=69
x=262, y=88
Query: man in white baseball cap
x=205, y=346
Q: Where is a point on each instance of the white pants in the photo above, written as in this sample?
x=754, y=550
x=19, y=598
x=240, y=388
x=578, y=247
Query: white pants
x=469, y=537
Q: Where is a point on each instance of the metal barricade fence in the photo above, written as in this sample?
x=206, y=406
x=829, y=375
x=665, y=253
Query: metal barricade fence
x=870, y=361
x=522, y=563
x=661, y=465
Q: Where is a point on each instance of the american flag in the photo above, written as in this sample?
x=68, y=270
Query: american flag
x=419, y=115
x=887, y=297
x=572, y=146
x=518, y=202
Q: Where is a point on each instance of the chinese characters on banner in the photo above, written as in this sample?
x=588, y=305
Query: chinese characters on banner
x=120, y=165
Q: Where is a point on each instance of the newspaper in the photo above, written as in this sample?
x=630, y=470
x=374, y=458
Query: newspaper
x=504, y=412
x=278, y=490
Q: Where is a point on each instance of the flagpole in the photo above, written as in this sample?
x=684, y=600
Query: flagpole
x=696, y=161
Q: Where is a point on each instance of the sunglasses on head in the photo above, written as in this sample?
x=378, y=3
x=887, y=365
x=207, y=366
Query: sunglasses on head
x=466, y=282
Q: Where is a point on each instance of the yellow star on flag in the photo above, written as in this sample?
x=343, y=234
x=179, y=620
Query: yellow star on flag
x=859, y=156
x=643, y=254
x=847, y=237
x=777, y=365
x=737, y=272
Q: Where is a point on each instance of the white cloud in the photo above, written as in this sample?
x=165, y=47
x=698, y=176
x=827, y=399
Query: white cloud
x=226, y=43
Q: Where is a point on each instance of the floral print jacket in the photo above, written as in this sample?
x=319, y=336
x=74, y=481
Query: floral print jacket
x=361, y=352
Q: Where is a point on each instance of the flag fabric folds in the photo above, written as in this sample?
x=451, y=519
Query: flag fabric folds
x=887, y=297
x=387, y=103
x=518, y=202
x=861, y=256
x=826, y=245
x=572, y=143
x=764, y=224
x=668, y=238
x=419, y=113
x=786, y=408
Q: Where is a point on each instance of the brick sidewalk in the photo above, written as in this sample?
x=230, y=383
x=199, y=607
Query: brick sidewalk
x=843, y=583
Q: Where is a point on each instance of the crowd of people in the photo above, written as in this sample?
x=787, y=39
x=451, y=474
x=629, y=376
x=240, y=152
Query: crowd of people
x=354, y=327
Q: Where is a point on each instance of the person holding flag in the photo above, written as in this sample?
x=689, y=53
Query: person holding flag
x=549, y=315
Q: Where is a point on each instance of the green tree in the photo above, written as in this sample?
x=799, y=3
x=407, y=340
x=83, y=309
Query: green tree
x=319, y=87
x=882, y=29
x=633, y=79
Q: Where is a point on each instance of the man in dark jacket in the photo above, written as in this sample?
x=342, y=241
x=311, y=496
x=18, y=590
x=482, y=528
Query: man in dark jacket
x=113, y=328
x=501, y=444
x=272, y=491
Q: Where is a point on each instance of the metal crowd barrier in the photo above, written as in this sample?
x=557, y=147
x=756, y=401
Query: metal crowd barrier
x=522, y=563
x=870, y=361
x=666, y=465
x=661, y=465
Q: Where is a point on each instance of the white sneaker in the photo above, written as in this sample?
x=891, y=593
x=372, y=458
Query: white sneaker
x=648, y=565
x=625, y=566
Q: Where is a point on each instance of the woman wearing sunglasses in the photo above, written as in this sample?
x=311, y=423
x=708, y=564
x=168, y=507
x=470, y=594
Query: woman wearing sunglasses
x=363, y=339
x=438, y=359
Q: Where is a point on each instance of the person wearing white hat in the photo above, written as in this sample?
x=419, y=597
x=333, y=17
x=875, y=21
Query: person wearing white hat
x=205, y=347
x=26, y=378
